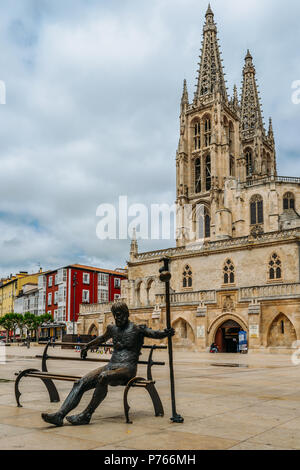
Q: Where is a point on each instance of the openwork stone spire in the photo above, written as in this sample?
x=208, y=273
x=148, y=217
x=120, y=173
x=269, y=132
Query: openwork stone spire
x=211, y=76
x=251, y=114
x=134, y=249
x=271, y=132
x=185, y=95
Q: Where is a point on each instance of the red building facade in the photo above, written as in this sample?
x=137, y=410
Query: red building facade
x=68, y=287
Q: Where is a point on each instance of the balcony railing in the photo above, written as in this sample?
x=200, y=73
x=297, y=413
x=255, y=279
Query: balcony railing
x=275, y=291
x=220, y=245
x=275, y=179
x=188, y=297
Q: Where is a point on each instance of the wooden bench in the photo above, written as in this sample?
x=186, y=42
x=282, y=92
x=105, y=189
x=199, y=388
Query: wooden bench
x=48, y=377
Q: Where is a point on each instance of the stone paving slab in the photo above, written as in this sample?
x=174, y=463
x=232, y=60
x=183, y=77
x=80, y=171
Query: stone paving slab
x=255, y=406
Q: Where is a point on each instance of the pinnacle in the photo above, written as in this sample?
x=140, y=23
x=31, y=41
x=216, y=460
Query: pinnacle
x=248, y=56
x=209, y=10
x=185, y=96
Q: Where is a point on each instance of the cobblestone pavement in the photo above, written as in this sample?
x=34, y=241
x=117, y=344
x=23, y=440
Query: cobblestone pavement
x=228, y=402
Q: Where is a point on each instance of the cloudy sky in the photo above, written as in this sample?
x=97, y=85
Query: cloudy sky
x=92, y=105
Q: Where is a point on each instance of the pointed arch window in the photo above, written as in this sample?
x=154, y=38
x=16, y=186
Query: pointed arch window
x=229, y=272
x=231, y=137
x=206, y=223
x=207, y=132
x=198, y=185
x=187, y=277
x=257, y=210
x=208, y=172
x=249, y=162
x=275, y=268
x=288, y=201
x=197, y=136
x=232, y=165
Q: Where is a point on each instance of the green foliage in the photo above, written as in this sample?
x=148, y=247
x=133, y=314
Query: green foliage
x=12, y=321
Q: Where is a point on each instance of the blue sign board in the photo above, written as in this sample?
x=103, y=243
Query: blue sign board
x=243, y=343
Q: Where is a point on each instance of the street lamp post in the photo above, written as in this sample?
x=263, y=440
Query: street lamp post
x=75, y=283
x=165, y=277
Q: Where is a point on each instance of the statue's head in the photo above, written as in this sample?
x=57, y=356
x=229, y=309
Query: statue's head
x=121, y=313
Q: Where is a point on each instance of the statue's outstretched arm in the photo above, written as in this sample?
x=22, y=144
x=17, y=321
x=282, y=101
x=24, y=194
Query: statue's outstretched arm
x=157, y=334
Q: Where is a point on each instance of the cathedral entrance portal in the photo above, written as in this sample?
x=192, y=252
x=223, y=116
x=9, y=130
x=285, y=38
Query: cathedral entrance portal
x=227, y=337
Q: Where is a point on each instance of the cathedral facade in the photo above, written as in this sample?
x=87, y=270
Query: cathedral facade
x=236, y=265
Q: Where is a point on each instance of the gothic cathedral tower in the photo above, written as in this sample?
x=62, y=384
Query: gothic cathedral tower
x=221, y=141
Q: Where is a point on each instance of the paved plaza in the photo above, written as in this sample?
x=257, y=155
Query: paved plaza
x=242, y=402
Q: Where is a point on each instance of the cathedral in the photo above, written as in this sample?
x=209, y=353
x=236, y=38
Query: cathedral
x=236, y=264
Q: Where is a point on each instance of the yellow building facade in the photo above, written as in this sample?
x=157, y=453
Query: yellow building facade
x=11, y=287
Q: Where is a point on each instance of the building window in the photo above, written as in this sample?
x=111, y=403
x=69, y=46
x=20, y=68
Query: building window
x=275, y=268
x=207, y=132
x=208, y=173
x=102, y=295
x=55, y=297
x=187, y=277
x=56, y=279
x=103, y=279
x=198, y=186
x=231, y=137
x=206, y=223
x=197, y=136
x=249, y=162
x=49, y=299
x=232, y=166
x=282, y=327
x=229, y=272
x=86, y=278
x=257, y=210
x=85, y=296
x=50, y=280
x=288, y=201
x=117, y=283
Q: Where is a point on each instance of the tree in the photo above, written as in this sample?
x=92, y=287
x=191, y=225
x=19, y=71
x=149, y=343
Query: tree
x=29, y=322
x=7, y=322
x=41, y=319
x=34, y=322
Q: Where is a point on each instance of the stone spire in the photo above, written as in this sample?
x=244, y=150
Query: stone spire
x=185, y=96
x=211, y=75
x=271, y=132
x=251, y=114
x=134, y=246
x=235, y=99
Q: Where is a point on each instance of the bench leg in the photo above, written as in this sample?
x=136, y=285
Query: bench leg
x=125, y=398
x=157, y=404
x=52, y=390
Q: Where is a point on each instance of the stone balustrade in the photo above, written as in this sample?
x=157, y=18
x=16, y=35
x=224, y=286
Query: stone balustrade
x=273, y=179
x=275, y=291
x=189, y=297
x=219, y=245
x=95, y=308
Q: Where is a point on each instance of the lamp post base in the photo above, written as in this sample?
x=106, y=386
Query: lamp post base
x=177, y=419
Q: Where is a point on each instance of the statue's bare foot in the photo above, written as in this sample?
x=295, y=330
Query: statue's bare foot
x=79, y=420
x=55, y=419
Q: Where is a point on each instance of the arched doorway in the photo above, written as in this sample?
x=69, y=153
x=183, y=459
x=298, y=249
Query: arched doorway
x=227, y=337
x=93, y=331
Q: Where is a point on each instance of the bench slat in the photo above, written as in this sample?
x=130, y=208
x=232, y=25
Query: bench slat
x=53, y=377
x=58, y=358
